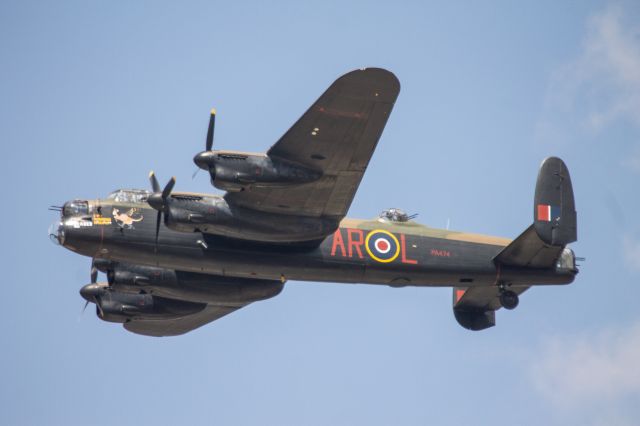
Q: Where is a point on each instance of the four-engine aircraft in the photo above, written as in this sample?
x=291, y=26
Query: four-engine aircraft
x=175, y=261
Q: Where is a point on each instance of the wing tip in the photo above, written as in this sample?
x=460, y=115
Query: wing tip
x=379, y=77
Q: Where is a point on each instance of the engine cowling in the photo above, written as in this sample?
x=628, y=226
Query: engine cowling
x=213, y=215
x=129, y=280
x=114, y=306
x=237, y=171
x=135, y=277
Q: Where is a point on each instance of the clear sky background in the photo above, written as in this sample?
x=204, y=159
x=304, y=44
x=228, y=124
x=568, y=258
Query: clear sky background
x=94, y=94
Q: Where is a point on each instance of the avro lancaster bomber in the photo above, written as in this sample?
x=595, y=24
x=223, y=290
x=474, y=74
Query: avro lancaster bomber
x=175, y=261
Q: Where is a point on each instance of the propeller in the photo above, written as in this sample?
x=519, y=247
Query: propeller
x=90, y=292
x=202, y=159
x=158, y=200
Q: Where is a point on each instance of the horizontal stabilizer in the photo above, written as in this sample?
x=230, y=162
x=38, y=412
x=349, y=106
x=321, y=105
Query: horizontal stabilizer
x=530, y=251
x=475, y=307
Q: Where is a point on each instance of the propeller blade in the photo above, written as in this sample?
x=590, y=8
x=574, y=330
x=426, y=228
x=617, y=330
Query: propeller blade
x=98, y=307
x=154, y=182
x=195, y=173
x=94, y=273
x=158, y=200
x=167, y=189
x=158, y=217
x=212, y=125
x=85, y=307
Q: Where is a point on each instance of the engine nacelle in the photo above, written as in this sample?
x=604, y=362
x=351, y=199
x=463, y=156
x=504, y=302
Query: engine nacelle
x=114, y=306
x=127, y=281
x=134, y=277
x=213, y=215
x=236, y=171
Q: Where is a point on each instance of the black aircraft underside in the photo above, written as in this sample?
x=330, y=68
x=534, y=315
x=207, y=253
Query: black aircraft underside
x=175, y=261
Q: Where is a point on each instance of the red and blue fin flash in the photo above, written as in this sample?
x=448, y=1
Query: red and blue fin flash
x=548, y=213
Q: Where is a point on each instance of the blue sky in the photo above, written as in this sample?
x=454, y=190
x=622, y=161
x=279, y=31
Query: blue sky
x=96, y=94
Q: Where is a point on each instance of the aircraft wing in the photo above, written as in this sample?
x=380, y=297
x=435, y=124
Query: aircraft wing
x=222, y=295
x=336, y=136
x=177, y=326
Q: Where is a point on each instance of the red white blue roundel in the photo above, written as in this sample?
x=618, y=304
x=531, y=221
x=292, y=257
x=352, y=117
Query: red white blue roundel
x=382, y=246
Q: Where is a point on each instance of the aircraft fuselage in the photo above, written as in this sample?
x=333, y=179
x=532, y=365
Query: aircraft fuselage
x=359, y=251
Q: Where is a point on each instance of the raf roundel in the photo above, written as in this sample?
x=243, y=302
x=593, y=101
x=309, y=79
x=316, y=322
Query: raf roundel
x=382, y=246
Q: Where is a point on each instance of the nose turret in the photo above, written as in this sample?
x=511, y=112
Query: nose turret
x=56, y=232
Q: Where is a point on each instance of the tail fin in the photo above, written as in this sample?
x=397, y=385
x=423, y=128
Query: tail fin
x=554, y=207
x=555, y=223
x=539, y=246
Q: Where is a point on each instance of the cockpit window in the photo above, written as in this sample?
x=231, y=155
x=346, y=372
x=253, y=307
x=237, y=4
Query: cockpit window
x=129, y=195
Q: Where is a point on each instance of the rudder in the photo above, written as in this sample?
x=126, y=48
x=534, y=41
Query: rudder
x=554, y=213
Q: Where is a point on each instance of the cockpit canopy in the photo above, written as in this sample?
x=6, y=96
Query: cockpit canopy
x=129, y=195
